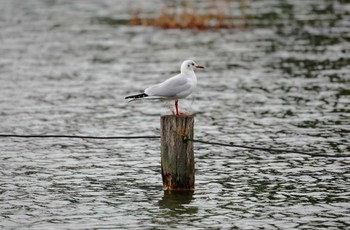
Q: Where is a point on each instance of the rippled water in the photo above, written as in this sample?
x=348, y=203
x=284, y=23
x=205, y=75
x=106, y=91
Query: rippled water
x=283, y=82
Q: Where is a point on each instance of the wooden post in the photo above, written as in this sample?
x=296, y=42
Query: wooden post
x=176, y=154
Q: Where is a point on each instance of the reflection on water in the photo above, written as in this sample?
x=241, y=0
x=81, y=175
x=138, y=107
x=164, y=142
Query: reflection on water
x=175, y=200
x=283, y=82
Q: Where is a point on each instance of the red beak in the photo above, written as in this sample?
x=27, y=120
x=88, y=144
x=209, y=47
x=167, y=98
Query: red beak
x=199, y=66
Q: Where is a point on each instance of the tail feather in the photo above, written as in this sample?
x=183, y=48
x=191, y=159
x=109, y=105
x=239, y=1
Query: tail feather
x=136, y=96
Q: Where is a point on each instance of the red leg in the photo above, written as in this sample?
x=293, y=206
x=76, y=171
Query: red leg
x=177, y=108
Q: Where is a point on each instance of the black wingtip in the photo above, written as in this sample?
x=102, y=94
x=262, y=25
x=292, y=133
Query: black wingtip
x=141, y=95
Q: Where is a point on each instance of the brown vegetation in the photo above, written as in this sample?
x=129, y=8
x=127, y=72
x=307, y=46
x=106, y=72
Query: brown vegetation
x=216, y=15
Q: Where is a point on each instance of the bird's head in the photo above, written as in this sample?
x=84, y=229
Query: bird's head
x=189, y=65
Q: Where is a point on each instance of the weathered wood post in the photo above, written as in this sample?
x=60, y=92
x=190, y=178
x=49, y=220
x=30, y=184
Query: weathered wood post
x=177, y=156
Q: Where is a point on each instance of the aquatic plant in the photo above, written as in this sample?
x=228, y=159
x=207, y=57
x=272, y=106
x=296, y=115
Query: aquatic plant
x=218, y=14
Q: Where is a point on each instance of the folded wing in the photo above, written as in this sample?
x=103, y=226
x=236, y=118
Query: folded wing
x=170, y=88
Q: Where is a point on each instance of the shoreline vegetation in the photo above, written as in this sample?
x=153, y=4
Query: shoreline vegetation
x=218, y=14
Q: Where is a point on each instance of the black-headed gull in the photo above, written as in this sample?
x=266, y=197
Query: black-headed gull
x=175, y=88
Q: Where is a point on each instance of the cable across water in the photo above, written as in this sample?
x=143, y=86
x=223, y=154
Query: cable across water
x=184, y=138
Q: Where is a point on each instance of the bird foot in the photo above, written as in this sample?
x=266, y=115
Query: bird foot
x=181, y=114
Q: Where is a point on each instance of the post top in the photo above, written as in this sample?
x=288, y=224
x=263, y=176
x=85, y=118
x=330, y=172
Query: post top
x=181, y=116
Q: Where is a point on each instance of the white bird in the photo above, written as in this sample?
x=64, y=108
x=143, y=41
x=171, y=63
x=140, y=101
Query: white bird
x=175, y=88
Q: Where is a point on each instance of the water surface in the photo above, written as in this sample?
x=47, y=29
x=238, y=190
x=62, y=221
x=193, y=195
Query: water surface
x=283, y=82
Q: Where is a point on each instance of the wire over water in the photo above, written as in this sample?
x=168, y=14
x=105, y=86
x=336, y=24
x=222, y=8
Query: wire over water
x=267, y=149
x=79, y=137
x=184, y=138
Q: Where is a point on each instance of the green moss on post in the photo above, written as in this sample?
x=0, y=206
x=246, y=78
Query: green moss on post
x=177, y=156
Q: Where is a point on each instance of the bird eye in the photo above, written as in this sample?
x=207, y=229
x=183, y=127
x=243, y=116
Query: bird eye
x=192, y=63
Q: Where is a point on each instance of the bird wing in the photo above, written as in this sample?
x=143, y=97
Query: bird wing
x=169, y=88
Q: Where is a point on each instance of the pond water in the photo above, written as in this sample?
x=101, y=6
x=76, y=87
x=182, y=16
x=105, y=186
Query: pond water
x=283, y=82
